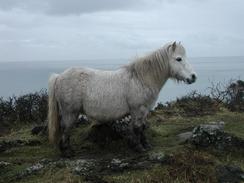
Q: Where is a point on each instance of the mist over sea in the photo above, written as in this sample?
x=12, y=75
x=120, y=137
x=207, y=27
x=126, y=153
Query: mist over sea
x=18, y=78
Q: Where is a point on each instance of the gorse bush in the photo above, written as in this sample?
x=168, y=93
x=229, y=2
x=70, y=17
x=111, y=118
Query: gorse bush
x=26, y=108
x=230, y=96
x=31, y=107
x=7, y=111
x=190, y=105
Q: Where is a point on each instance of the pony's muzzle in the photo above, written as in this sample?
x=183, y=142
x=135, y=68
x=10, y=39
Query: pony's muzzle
x=192, y=79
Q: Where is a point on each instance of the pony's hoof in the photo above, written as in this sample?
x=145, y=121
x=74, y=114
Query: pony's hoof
x=147, y=146
x=139, y=148
x=67, y=153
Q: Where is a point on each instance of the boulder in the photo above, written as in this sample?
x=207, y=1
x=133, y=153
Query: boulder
x=213, y=135
x=229, y=174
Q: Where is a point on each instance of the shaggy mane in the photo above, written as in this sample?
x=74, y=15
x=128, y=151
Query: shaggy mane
x=151, y=69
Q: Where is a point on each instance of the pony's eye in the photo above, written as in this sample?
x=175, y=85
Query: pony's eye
x=178, y=59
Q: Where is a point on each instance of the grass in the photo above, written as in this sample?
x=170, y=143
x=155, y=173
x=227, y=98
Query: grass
x=187, y=164
x=54, y=175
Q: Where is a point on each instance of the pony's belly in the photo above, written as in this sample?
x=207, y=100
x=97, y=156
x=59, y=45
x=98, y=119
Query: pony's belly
x=106, y=112
x=105, y=97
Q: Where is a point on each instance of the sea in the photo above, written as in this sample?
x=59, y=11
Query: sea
x=18, y=78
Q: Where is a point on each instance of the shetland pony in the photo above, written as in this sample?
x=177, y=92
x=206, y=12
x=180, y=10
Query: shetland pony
x=105, y=96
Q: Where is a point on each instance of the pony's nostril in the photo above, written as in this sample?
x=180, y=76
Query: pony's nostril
x=193, y=77
x=188, y=81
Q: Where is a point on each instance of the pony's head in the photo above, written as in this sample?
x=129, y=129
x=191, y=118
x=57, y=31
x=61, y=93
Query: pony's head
x=179, y=68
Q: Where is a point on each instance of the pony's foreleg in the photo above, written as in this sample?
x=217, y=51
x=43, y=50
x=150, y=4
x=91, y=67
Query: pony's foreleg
x=139, y=125
x=133, y=138
x=67, y=122
x=143, y=138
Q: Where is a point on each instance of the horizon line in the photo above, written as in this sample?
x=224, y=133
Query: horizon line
x=94, y=59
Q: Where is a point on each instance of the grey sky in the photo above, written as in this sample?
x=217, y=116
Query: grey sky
x=91, y=29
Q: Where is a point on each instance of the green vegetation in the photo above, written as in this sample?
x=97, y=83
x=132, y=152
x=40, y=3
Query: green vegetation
x=186, y=163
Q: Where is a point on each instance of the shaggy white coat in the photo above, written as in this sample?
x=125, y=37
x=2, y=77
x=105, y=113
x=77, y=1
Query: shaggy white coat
x=109, y=95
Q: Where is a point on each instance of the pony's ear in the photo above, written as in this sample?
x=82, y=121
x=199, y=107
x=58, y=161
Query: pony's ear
x=174, y=46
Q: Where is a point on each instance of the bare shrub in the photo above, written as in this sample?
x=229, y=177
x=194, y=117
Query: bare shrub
x=231, y=95
x=25, y=108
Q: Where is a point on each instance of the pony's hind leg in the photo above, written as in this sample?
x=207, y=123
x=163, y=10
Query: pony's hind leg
x=67, y=122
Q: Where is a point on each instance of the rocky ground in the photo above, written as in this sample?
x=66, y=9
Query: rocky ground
x=208, y=148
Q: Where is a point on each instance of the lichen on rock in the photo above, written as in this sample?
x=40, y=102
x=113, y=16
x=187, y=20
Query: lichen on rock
x=215, y=136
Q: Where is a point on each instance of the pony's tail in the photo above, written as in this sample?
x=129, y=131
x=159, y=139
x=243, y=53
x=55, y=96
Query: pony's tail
x=53, y=113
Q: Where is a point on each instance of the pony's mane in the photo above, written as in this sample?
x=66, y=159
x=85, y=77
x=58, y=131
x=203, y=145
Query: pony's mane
x=152, y=68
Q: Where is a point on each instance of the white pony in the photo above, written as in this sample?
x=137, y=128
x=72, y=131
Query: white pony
x=110, y=95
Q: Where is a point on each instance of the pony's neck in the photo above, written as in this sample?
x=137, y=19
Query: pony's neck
x=153, y=69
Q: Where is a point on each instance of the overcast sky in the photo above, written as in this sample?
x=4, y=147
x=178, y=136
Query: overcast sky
x=33, y=30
